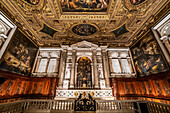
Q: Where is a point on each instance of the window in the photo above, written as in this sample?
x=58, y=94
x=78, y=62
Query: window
x=116, y=66
x=42, y=66
x=125, y=66
x=51, y=66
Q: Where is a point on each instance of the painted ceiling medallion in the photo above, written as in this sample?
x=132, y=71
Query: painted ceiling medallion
x=84, y=29
x=84, y=5
x=33, y=2
x=136, y=2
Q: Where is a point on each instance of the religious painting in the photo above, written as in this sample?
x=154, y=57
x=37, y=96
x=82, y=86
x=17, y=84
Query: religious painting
x=136, y=2
x=147, y=56
x=84, y=75
x=33, y=2
x=84, y=5
x=20, y=55
x=84, y=29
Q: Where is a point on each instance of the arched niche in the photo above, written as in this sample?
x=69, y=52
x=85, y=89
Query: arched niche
x=84, y=73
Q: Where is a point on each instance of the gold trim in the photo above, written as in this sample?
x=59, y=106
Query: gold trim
x=26, y=4
x=136, y=7
x=85, y=13
x=139, y=39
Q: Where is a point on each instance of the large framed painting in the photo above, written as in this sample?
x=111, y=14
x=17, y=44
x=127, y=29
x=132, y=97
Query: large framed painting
x=84, y=5
x=147, y=56
x=20, y=55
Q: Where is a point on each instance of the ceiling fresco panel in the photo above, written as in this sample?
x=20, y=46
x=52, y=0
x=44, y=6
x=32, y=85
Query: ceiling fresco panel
x=43, y=17
x=84, y=5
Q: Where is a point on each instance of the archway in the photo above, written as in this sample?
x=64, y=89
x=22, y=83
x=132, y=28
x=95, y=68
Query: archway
x=84, y=74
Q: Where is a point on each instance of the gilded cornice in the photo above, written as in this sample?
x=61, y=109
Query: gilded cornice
x=32, y=18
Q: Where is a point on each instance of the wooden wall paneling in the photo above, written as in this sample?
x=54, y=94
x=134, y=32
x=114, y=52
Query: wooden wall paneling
x=38, y=85
x=119, y=91
x=158, y=88
x=148, y=87
x=48, y=87
x=3, y=86
x=154, y=92
x=129, y=86
x=18, y=87
x=166, y=86
x=31, y=86
x=22, y=87
x=139, y=91
x=39, y=89
x=127, y=89
x=133, y=88
x=26, y=89
x=162, y=88
x=8, y=89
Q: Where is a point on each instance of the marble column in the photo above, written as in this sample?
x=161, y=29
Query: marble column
x=106, y=67
x=161, y=46
x=166, y=42
x=72, y=79
x=96, y=82
x=62, y=67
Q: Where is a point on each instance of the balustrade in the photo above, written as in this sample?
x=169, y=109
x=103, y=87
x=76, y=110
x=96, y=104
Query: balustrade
x=154, y=107
x=102, y=106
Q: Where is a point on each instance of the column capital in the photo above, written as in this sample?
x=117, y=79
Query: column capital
x=64, y=47
x=164, y=37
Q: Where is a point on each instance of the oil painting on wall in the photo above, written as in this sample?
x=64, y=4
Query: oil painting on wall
x=147, y=56
x=84, y=5
x=20, y=55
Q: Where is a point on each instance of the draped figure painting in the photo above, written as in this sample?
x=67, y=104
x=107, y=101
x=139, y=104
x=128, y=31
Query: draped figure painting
x=19, y=57
x=147, y=56
x=84, y=75
x=84, y=5
x=136, y=2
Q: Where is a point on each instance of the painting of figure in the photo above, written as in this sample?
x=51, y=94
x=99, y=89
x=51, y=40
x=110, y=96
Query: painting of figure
x=20, y=55
x=33, y=2
x=136, y=2
x=84, y=5
x=147, y=56
x=84, y=29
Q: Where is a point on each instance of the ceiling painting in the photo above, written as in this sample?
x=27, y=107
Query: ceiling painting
x=120, y=31
x=48, y=30
x=84, y=5
x=103, y=22
x=136, y=2
x=84, y=29
x=33, y=2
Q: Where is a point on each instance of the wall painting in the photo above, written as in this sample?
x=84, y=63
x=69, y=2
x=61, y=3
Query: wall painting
x=20, y=55
x=147, y=56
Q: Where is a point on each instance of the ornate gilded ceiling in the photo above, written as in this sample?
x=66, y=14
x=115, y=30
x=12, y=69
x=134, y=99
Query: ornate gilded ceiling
x=110, y=22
